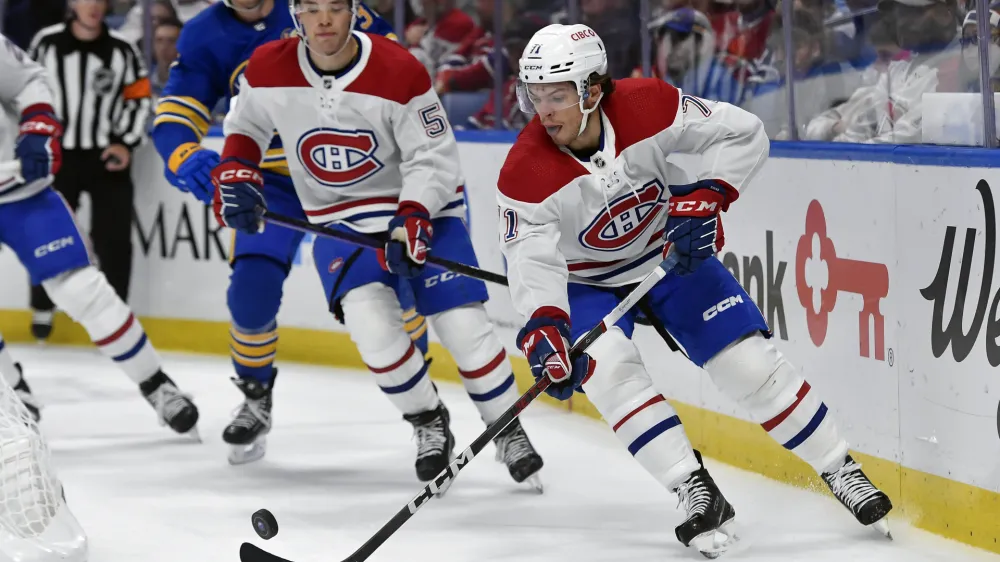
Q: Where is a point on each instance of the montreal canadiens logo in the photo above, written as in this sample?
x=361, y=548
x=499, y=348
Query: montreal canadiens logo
x=631, y=214
x=338, y=158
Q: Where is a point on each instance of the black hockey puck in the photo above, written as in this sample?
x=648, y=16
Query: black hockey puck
x=265, y=524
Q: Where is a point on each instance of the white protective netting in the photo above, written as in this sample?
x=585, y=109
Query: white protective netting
x=35, y=524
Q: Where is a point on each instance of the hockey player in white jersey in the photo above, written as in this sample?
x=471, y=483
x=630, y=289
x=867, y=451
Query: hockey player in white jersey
x=37, y=225
x=370, y=150
x=589, y=206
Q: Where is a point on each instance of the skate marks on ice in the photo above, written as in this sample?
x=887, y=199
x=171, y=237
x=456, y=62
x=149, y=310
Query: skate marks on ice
x=340, y=463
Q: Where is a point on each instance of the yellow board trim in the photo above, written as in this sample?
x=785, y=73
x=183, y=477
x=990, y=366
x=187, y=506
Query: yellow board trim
x=954, y=510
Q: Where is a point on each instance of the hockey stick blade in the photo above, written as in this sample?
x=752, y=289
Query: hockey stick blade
x=375, y=243
x=251, y=553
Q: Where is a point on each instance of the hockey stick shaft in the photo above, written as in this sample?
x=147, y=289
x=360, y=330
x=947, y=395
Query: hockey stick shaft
x=251, y=553
x=367, y=241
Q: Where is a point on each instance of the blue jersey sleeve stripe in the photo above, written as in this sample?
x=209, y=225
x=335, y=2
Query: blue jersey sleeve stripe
x=180, y=120
x=191, y=104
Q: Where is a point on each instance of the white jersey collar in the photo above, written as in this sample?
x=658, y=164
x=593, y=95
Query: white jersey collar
x=331, y=83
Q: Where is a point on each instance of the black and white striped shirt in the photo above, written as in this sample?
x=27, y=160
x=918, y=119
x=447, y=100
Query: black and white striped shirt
x=102, y=87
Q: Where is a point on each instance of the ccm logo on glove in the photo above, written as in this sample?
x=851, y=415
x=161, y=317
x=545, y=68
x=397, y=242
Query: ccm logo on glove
x=693, y=208
x=241, y=174
x=38, y=128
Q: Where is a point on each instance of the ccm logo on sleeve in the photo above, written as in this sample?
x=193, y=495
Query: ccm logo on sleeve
x=337, y=157
x=723, y=306
x=53, y=246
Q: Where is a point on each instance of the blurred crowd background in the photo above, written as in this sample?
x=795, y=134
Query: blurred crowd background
x=860, y=71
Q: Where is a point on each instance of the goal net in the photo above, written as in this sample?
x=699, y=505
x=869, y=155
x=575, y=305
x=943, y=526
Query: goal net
x=35, y=523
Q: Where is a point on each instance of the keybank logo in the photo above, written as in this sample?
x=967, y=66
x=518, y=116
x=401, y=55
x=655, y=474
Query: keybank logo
x=820, y=276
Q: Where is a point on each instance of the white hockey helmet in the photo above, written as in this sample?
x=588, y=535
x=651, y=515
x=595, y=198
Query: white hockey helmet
x=294, y=9
x=561, y=53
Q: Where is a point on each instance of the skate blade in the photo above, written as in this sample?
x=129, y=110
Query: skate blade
x=724, y=540
x=882, y=526
x=535, y=482
x=244, y=454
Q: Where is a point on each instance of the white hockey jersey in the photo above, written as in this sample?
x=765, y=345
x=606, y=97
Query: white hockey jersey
x=358, y=142
x=600, y=222
x=23, y=83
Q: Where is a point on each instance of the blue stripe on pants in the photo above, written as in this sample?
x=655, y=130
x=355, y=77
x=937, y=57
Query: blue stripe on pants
x=808, y=430
x=132, y=352
x=653, y=433
x=406, y=385
x=487, y=396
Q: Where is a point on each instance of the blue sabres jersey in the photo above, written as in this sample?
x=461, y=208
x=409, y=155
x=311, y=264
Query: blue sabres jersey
x=213, y=51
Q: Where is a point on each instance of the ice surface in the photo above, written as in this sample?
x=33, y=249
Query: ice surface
x=339, y=464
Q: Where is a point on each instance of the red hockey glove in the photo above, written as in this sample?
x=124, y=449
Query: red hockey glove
x=37, y=145
x=544, y=341
x=694, y=228
x=239, y=201
x=410, y=233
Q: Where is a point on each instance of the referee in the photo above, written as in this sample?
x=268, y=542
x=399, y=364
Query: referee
x=103, y=98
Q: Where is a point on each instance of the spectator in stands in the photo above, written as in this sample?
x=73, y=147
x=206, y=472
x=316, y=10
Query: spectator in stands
x=820, y=84
x=387, y=9
x=683, y=41
x=890, y=110
x=516, y=37
x=184, y=10
x=734, y=72
x=470, y=67
x=438, y=32
x=164, y=54
x=850, y=33
x=22, y=19
x=617, y=22
x=970, y=51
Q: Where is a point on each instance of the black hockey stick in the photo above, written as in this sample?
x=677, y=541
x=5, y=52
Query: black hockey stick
x=251, y=553
x=373, y=242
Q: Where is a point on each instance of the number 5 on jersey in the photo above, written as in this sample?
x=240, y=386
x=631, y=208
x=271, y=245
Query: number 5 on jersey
x=434, y=123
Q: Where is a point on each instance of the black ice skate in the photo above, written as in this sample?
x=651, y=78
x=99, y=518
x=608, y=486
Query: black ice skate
x=173, y=408
x=41, y=324
x=709, y=524
x=27, y=398
x=856, y=492
x=247, y=433
x=435, y=443
x=515, y=450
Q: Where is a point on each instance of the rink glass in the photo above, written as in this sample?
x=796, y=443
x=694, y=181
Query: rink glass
x=812, y=70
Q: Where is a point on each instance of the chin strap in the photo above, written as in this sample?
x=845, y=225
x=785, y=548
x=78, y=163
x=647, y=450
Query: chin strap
x=587, y=112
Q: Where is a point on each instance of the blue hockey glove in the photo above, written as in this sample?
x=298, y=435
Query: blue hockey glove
x=37, y=145
x=410, y=233
x=694, y=228
x=545, y=342
x=190, y=170
x=239, y=202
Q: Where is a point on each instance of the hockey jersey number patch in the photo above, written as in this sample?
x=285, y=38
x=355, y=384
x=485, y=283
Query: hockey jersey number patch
x=630, y=215
x=339, y=158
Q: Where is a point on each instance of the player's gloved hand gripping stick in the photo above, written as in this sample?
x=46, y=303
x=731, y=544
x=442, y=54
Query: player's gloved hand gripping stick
x=251, y=553
x=378, y=244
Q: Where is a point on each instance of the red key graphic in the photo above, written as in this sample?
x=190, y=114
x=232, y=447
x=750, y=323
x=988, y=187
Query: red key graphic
x=870, y=280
